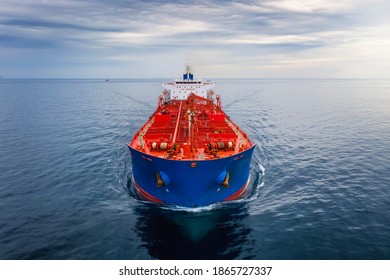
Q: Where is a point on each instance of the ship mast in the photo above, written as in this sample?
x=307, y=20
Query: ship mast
x=188, y=76
x=188, y=72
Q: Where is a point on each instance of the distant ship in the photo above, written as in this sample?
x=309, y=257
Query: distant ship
x=190, y=153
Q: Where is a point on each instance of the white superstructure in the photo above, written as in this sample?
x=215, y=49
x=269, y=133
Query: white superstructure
x=181, y=88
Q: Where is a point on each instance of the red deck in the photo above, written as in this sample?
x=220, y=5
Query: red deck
x=195, y=128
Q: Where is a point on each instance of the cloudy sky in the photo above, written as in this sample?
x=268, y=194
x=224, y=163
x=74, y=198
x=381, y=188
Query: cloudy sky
x=263, y=38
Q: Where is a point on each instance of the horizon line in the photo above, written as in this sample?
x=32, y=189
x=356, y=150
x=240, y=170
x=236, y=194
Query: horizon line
x=107, y=79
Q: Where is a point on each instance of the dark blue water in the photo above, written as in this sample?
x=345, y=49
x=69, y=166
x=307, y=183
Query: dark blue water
x=320, y=174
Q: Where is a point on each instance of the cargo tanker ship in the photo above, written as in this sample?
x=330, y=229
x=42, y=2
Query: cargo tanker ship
x=189, y=152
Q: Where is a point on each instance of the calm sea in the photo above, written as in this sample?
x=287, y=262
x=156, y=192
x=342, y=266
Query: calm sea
x=320, y=174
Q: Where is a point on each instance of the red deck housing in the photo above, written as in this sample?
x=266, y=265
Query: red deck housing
x=195, y=129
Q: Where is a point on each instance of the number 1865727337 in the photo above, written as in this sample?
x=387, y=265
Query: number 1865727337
x=242, y=270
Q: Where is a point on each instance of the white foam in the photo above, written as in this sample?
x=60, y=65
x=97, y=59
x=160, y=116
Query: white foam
x=262, y=169
x=261, y=185
x=191, y=209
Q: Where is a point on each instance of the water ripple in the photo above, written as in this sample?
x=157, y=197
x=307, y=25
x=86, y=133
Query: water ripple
x=318, y=182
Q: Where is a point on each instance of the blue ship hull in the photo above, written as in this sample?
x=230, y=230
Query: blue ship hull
x=191, y=183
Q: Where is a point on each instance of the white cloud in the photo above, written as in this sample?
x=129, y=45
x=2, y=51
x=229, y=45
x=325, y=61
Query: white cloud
x=280, y=37
x=306, y=6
